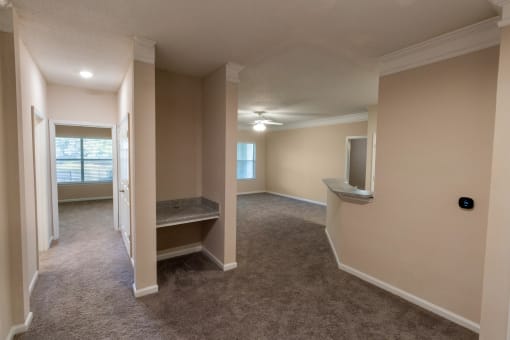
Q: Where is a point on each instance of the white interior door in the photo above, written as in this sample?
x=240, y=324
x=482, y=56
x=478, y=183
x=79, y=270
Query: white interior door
x=123, y=183
x=40, y=144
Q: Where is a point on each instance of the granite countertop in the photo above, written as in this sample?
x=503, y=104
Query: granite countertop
x=180, y=211
x=347, y=191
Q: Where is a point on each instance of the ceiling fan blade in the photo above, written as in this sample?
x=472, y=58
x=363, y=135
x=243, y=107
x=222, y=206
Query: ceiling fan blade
x=272, y=123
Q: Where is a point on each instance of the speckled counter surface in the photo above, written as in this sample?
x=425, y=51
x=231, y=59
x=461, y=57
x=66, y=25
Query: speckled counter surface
x=346, y=191
x=180, y=211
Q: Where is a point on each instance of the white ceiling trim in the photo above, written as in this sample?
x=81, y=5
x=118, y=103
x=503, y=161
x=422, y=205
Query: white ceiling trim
x=233, y=71
x=459, y=42
x=144, y=50
x=344, y=119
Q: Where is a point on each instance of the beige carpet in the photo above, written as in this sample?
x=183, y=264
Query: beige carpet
x=287, y=286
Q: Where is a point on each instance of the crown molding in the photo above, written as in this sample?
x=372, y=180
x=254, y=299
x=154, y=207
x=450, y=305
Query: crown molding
x=343, y=119
x=233, y=71
x=459, y=42
x=144, y=50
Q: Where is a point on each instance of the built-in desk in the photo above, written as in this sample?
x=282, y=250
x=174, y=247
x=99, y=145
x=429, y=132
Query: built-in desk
x=347, y=192
x=187, y=210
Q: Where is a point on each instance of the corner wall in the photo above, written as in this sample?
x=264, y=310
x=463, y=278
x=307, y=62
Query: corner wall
x=434, y=140
x=31, y=90
x=298, y=159
x=219, y=137
x=12, y=294
x=496, y=286
x=178, y=136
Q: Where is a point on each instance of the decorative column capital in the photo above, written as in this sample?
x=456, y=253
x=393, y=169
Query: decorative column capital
x=144, y=50
x=233, y=71
x=504, y=5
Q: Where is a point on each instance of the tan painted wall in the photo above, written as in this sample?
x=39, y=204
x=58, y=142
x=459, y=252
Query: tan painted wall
x=11, y=266
x=31, y=91
x=67, y=192
x=83, y=191
x=496, y=286
x=434, y=144
x=74, y=104
x=298, y=160
x=371, y=131
x=178, y=136
x=219, y=138
x=143, y=176
x=82, y=131
x=259, y=183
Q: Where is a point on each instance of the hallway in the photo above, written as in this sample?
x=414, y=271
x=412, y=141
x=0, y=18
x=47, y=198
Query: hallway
x=287, y=285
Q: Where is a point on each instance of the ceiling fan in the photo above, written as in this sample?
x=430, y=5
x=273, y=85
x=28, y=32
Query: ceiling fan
x=260, y=123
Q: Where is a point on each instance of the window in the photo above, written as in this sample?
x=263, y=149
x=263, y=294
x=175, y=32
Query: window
x=83, y=160
x=245, y=161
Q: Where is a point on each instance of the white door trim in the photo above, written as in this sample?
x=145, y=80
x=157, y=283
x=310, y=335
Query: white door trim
x=348, y=154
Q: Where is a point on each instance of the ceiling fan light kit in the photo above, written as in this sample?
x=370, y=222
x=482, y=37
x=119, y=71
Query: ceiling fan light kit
x=260, y=124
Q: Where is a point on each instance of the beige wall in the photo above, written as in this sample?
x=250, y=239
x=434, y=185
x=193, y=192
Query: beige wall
x=178, y=136
x=297, y=160
x=69, y=192
x=11, y=266
x=496, y=286
x=82, y=131
x=143, y=174
x=434, y=143
x=259, y=183
x=74, y=104
x=219, y=138
x=31, y=91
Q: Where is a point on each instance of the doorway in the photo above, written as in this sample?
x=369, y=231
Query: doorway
x=356, y=161
x=43, y=199
x=83, y=167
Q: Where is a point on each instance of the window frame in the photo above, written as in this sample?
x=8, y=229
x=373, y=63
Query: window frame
x=254, y=161
x=82, y=161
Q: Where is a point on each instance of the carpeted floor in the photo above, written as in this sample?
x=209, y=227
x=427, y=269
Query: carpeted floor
x=287, y=286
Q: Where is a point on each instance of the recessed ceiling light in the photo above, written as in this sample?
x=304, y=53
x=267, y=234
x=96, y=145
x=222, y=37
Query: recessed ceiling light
x=86, y=74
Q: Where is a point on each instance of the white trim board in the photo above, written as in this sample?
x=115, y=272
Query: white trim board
x=449, y=315
x=31, y=286
x=250, y=193
x=179, y=251
x=86, y=199
x=342, y=119
x=21, y=328
x=224, y=267
x=297, y=198
x=145, y=291
x=468, y=39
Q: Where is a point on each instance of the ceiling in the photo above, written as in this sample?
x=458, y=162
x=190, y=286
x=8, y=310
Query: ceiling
x=303, y=59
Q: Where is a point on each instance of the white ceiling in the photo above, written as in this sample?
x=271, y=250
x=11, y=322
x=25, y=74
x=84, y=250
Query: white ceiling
x=304, y=59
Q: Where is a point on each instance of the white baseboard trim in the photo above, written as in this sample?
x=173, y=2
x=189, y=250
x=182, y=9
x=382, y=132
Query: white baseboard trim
x=224, y=267
x=337, y=258
x=179, y=251
x=18, y=329
x=449, y=315
x=86, y=199
x=297, y=198
x=145, y=291
x=250, y=192
x=33, y=282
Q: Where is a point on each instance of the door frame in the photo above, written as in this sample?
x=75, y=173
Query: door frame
x=348, y=140
x=53, y=163
x=37, y=115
